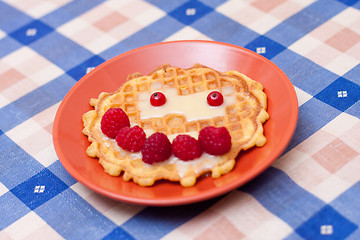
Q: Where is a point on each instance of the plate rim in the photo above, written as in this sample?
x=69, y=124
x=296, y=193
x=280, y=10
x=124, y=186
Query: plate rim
x=173, y=201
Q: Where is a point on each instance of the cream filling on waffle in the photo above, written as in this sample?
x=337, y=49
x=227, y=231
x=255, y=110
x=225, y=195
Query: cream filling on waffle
x=194, y=106
x=205, y=162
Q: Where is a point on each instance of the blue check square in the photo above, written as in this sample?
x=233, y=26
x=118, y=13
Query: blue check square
x=348, y=2
x=31, y=32
x=326, y=224
x=190, y=12
x=79, y=71
x=39, y=189
x=341, y=94
x=118, y=233
x=265, y=46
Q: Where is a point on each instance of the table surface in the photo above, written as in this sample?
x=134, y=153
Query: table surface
x=311, y=191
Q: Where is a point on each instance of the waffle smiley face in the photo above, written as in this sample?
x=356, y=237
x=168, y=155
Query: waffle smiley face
x=176, y=124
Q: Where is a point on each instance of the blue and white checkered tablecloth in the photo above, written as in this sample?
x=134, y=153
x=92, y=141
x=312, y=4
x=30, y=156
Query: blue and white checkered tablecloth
x=311, y=192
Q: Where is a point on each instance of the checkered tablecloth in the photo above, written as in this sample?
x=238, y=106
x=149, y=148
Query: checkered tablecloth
x=311, y=192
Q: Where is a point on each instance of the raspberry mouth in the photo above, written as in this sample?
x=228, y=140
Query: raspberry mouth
x=157, y=147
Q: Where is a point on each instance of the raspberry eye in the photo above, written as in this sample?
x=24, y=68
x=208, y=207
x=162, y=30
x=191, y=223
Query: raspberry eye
x=157, y=99
x=215, y=98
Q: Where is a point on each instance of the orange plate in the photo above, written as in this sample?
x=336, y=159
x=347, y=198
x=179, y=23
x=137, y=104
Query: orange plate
x=70, y=144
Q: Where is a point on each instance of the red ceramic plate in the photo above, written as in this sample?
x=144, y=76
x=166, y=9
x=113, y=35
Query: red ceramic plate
x=70, y=144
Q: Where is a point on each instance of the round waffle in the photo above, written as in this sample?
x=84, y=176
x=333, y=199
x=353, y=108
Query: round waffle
x=243, y=116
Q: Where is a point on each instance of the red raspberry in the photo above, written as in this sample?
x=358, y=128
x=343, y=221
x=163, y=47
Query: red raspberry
x=215, y=141
x=186, y=147
x=113, y=120
x=157, y=148
x=131, y=139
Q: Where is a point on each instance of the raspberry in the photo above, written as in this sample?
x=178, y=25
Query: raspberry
x=113, y=120
x=186, y=147
x=157, y=148
x=131, y=139
x=215, y=141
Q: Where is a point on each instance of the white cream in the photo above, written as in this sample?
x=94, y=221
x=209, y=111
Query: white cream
x=205, y=162
x=193, y=106
x=193, y=134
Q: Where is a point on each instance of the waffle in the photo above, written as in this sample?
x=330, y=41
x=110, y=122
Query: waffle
x=243, y=119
